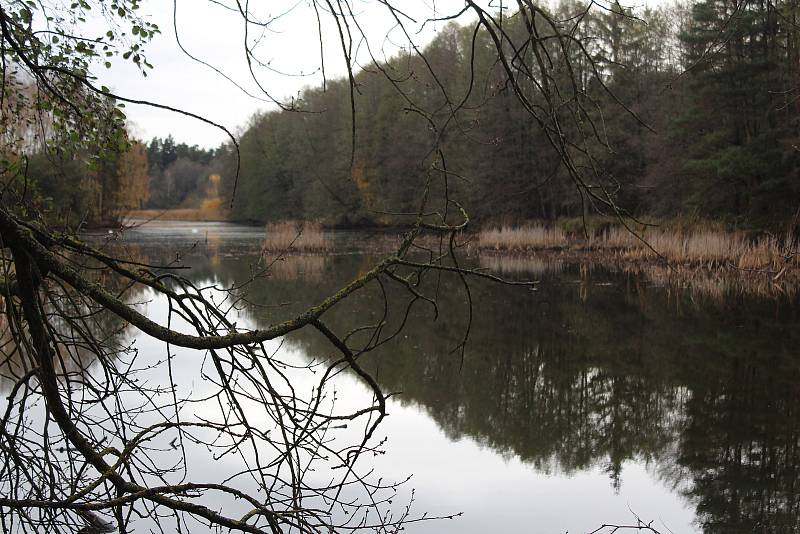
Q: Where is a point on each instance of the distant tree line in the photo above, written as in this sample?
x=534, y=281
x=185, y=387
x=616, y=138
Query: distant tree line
x=78, y=191
x=178, y=172
x=697, y=114
x=99, y=189
x=710, y=129
x=93, y=185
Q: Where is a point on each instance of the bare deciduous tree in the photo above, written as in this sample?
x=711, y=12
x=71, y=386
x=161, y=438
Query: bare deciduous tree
x=91, y=438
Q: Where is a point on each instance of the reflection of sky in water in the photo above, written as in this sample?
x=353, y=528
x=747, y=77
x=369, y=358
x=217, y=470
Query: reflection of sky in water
x=495, y=491
x=450, y=473
x=498, y=492
x=590, y=381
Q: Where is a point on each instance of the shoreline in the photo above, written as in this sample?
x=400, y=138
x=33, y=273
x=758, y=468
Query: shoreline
x=622, y=257
x=173, y=214
x=680, y=251
x=717, y=277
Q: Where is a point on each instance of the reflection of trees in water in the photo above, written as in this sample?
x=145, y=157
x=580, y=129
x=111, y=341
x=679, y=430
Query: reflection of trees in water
x=70, y=435
x=595, y=370
x=586, y=374
x=90, y=356
x=742, y=446
x=83, y=334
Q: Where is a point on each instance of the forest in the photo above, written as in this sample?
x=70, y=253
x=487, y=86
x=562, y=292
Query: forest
x=694, y=108
x=196, y=377
x=697, y=105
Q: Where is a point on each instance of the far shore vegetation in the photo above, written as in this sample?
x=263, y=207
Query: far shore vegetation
x=296, y=236
x=675, y=243
x=715, y=170
x=718, y=180
x=694, y=149
x=692, y=246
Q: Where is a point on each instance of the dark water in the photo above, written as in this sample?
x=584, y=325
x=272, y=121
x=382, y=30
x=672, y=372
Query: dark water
x=594, y=397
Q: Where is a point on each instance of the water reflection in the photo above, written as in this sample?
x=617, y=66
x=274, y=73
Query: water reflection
x=524, y=265
x=83, y=333
x=592, y=370
x=306, y=268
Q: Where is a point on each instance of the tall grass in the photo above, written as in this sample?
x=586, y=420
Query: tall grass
x=296, y=236
x=703, y=246
x=698, y=246
x=524, y=238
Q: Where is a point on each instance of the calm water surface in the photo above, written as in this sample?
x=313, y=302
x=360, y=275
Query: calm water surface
x=592, y=397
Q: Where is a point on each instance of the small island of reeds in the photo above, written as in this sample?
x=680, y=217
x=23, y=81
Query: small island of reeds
x=293, y=237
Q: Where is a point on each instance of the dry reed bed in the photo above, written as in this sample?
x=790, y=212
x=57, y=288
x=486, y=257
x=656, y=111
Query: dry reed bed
x=296, y=236
x=523, y=238
x=701, y=247
x=712, y=248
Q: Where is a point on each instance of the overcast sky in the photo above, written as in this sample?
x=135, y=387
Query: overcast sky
x=289, y=49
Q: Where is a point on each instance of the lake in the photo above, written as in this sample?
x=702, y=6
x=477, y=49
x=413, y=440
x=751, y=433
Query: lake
x=591, y=398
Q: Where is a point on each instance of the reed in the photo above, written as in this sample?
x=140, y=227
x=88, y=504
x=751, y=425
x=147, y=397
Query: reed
x=768, y=251
x=705, y=245
x=296, y=236
x=524, y=238
x=701, y=247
